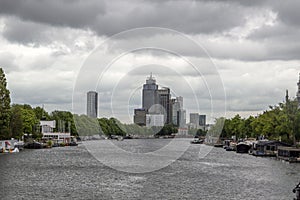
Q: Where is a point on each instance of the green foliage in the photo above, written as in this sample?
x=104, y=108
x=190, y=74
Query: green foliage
x=200, y=133
x=86, y=126
x=112, y=127
x=279, y=122
x=64, y=121
x=29, y=124
x=4, y=107
x=41, y=114
x=16, y=122
x=167, y=129
x=30, y=121
x=49, y=143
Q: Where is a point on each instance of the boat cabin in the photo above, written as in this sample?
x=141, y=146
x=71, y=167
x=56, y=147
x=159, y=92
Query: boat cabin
x=267, y=147
x=290, y=154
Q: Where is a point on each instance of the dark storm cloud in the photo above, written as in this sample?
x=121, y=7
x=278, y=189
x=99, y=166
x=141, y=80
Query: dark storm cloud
x=73, y=13
x=107, y=18
x=113, y=17
x=288, y=11
x=26, y=32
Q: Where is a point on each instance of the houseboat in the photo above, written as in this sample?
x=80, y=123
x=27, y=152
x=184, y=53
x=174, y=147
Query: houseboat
x=290, y=154
x=266, y=147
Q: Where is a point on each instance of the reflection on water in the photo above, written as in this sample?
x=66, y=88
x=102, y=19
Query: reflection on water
x=71, y=172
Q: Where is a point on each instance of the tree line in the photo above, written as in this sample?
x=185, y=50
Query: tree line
x=279, y=122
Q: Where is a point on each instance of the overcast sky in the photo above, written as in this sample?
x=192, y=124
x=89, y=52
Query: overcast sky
x=250, y=46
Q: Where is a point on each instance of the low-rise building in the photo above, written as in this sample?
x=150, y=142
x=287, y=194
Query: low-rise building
x=155, y=120
x=140, y=116
x=183, y=131
x=47, y=130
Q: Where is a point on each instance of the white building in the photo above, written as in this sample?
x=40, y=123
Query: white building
x=47, y=126
x=48, y=134
x=155, y=120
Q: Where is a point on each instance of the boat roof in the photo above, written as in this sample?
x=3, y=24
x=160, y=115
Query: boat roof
x=270, y=142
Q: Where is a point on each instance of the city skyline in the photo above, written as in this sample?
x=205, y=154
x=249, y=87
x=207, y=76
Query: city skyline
x=159, y=107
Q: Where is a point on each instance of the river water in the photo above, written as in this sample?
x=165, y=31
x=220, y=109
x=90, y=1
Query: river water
x=73, y=173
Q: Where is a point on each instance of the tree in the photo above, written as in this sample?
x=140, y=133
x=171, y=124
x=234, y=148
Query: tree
x=4, y=107
x=41, y=114
x=64, y=120
x=167, y=129
x=201, y=132
x=30, y=122
x=16, y=122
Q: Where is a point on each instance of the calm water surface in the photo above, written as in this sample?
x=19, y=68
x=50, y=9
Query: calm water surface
x=72, y=173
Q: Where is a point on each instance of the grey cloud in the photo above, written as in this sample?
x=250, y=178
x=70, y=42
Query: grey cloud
x=210, y=18
x=7, y=62
x=73, y=13
x=113, y=17
x=26, y=32
x=288, y=11
x=62, y=40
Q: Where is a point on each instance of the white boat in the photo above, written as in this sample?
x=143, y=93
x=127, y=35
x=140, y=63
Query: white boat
x=16, y=150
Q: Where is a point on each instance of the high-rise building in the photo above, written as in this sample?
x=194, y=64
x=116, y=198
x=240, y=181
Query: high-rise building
x=165, y=102
x=92, y=104
x=156, y=103
x=202, y=120
x=180, y=101
x=150, y=95
x=178, y=114
x=182, y=118
x=298, y=92
x=194, y=118
x=175, y=110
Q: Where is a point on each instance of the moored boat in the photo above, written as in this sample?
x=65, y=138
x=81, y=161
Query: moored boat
x=243, y=147
x=34, y=145
x=218, y=145
x=197, y=141
x=73, y=144
x=290, y=154
x=267, y=147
